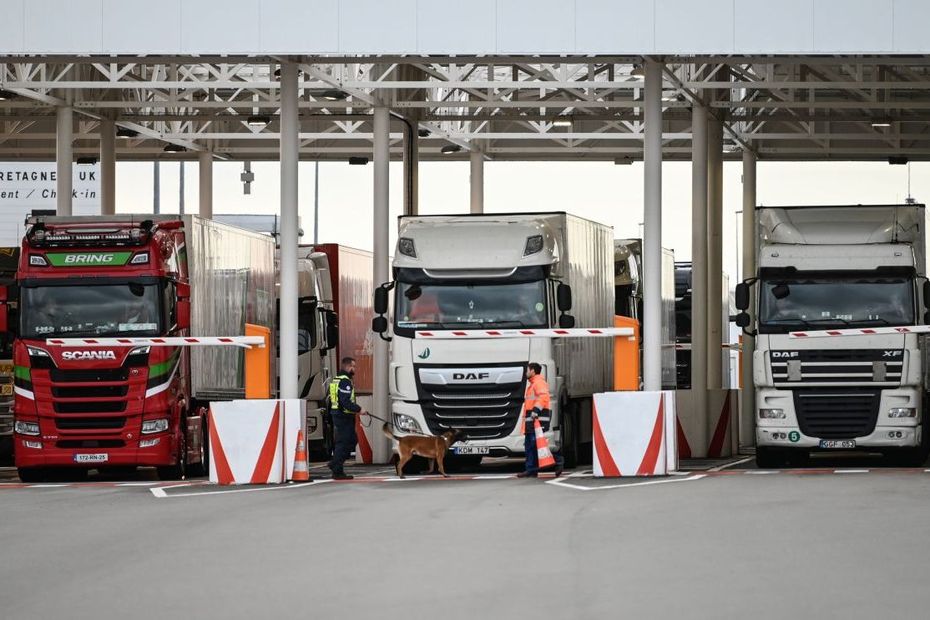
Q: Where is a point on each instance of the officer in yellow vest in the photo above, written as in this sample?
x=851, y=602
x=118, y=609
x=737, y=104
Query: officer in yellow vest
x=343, y=409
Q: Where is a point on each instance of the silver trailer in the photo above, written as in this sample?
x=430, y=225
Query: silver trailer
x=232, y=279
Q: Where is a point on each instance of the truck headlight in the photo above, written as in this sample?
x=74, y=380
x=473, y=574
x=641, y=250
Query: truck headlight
x=772, y=414
x=406, y=424
x=154, y=426
x=26, y=428
x=902, y=412
x=37, y=352
x=148, y=443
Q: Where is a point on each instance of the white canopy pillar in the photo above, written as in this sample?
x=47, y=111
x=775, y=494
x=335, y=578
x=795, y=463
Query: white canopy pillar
x=714, y=255
x=748, y=405
x=382, y=258
x=477, y=181
x=699, y=268
x=411, y=171
x=205, y=160
x=107, y=167
x=64, y=158
x=287, y=330
x=652, y=229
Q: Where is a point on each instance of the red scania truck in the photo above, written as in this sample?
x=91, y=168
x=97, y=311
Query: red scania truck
x=109, y=276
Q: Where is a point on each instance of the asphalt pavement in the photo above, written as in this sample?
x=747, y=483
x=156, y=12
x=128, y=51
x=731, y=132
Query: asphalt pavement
x=735, y=542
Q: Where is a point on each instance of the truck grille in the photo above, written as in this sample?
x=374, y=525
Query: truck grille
x=488, y=411
x=82, y=423
x=84, y=406
x=832, y=414
x=89, y=376
x=837, y=366
x=90, y=391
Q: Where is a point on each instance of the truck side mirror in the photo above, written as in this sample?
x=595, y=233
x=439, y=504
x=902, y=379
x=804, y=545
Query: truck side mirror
x=381, y=300
x=563, y=295
x=742, y=297
x=742, y=320
x=379, y=325
x=566, y=321
x=332, y=329
x=926, y=294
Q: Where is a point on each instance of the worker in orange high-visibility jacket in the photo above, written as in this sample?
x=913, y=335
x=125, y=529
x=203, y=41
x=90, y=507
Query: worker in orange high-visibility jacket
x=536, y=405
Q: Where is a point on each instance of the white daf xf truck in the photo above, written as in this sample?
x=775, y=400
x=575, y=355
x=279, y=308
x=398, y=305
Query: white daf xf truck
x=501, y=271
x=824, y=268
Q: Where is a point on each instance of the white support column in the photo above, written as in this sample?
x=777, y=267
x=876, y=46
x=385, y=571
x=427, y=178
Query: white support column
x=476, y=178
x=287, y=330
x=107, y=167
x=205, y=159
x=382, y=258
x=748, y=404
x=699, y=271
x=652, y=230
x=714, y=255
x=64, y=158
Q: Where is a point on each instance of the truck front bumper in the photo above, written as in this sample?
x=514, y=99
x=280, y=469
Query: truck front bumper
x=888, y=432
x=510, y=446
x=28, y=454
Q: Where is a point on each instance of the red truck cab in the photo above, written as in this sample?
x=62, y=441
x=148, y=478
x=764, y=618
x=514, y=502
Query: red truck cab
x=102, y=406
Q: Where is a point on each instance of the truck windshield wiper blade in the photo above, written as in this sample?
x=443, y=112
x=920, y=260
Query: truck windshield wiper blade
x=817, y=321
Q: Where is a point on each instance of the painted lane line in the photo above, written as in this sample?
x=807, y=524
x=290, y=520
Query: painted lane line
x=396, y=479
x=851, y=471
x=495, y=477
x=562, y=483
x=46, y=486
x=135, y=484
x=762, y=472
x=733, y=464
x=229, y=491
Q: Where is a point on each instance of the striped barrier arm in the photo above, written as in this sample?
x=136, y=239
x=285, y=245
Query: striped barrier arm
x=477, y=334
x=246, y=342
x=863, y=331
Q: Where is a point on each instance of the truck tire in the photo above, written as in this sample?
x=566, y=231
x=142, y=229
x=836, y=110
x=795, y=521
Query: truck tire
x=31, y=474
x=570, y=445
x=770, y=458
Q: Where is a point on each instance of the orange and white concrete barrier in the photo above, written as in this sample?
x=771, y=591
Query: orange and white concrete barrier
x=254, y=441
x=634, y=434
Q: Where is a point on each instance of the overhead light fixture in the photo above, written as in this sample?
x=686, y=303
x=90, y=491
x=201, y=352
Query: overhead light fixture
x=174, y=148
x=125, y=132
x=424, y=133
x=332, y=95
x=86, y=160
x=881, y=122
x=562, y=122
x=638, y=71
x=623, y=161
x=449, y=149
x=258, y=121
x=358, y=161
x=898, y=160
x=6, y=95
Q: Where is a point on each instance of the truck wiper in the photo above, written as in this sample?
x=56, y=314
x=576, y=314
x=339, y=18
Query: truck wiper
x=816, y=321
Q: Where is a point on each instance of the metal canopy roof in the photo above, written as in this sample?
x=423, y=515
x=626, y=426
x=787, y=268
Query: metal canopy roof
x=508, y=107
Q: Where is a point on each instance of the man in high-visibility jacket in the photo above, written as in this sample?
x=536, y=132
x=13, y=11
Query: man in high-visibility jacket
x=343, y=409
x=536, y=405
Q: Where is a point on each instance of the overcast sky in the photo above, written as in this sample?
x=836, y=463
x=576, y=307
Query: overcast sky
x=600, y=191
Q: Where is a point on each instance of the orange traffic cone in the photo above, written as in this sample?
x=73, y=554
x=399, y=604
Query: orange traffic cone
x=542, y=446
x=301, y=472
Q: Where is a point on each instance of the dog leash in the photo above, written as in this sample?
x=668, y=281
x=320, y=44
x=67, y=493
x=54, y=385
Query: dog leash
x=371, y=415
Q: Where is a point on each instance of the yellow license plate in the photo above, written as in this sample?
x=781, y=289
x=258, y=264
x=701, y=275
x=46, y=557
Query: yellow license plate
x=6, y=370
x=6, y=390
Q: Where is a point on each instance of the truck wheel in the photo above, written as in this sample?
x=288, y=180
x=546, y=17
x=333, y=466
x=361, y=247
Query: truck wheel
x=30, y=474
x=570, y=445
x=770, y=458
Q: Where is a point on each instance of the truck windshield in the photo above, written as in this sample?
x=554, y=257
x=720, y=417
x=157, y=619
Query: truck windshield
x=90, y=309
x=787, y=304
x=430, y=306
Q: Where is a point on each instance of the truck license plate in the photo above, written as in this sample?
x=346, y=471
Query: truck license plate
x=91, y=458
x=471, y=450
x=837, y=443
x=6, y=389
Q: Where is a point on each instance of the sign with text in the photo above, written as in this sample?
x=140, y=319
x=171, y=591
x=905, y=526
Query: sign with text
x=31, y=187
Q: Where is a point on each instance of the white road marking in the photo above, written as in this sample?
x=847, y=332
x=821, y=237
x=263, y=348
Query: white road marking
x=396, y=479
x=733, y=464
x=851, y=471
x=495, y=477
x=46, y=486
x=562, y=483
x=159, y=492
x=762, y=472
x=135, y=484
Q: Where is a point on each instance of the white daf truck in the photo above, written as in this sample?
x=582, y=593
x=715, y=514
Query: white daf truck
x=824, y=268
x=501, y=271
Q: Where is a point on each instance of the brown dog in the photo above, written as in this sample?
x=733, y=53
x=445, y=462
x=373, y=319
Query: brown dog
x=429, y=447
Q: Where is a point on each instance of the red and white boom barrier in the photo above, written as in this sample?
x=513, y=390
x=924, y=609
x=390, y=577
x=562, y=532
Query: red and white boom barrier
x=245, y=342
x=575, y=332
x=634, y=434
x=863, y=331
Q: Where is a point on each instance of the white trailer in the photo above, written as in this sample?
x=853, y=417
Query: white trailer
x=497, y=271
x=831, y=268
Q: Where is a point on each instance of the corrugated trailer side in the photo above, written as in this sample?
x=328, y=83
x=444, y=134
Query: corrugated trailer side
x=232, y=279
x=587, y=265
